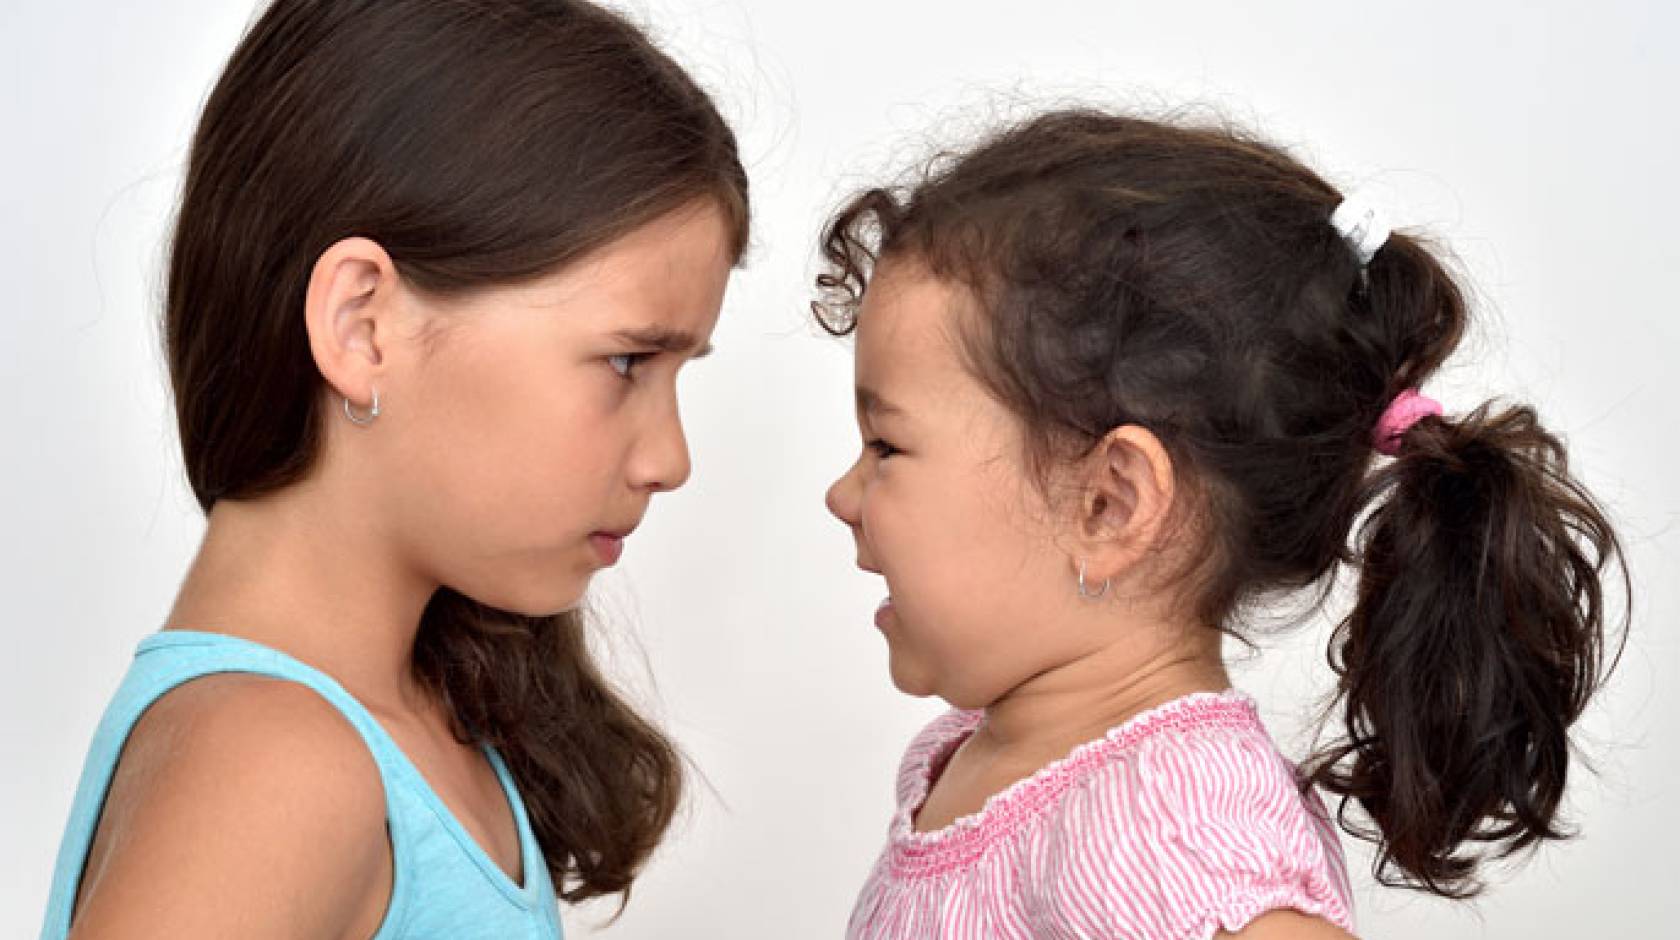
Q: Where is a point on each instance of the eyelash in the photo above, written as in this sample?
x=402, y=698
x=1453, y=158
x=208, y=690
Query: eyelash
x=882, y=449
x=631, y=361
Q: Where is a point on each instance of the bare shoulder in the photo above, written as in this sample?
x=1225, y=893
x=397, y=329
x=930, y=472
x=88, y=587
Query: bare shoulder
x=242, y=806
x=1288, y=925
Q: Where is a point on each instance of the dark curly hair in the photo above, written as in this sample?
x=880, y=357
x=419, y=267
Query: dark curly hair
x=1185, y=277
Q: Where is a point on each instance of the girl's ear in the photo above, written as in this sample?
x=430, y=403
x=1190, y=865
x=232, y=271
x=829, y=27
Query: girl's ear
x=1126, y=498
x=350, y=311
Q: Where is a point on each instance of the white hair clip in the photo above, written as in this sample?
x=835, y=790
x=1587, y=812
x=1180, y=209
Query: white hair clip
x=1362, y=226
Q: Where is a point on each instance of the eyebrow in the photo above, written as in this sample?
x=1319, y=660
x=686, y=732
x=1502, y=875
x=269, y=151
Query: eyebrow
x=870, y=402
x=665, y=339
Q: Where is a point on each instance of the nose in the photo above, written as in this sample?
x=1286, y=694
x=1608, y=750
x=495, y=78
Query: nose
x=845, y=496
x=661, y=461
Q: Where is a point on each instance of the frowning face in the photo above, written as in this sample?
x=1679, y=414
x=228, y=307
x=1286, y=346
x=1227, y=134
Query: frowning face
x=526, y=441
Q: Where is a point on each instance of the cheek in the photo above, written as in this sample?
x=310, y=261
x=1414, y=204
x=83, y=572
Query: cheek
x=941, y=539
x=922, y=539
x=501, y=455
x=966, y=581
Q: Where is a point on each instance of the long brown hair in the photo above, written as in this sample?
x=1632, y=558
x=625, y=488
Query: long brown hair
x=1186, y=278
x=479, y=142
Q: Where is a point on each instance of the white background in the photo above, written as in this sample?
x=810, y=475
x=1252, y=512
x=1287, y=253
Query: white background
x=1538, y=137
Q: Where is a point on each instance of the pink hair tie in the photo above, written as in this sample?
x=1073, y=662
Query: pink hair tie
x=1403, y=412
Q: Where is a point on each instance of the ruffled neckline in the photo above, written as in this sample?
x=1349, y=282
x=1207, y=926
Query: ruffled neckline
x=916, y=853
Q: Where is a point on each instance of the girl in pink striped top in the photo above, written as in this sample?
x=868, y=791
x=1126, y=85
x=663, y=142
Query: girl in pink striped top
x=1120, y=381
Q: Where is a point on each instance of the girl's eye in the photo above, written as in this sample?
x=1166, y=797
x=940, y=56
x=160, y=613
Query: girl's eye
x=623, y=363
x=882, y=449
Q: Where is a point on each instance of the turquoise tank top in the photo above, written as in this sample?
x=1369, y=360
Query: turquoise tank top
x=444, y=885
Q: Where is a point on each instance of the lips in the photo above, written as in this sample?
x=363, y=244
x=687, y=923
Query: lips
x=608, y=542
x=884, y=613
x=608, y=546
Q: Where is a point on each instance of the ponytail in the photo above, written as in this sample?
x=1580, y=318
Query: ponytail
x=1189, y=279
x=1475, y=643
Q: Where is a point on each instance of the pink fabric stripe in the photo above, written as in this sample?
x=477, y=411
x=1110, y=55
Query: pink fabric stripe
x=1182, y=821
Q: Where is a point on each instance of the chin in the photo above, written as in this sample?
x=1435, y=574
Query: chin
x=559, y=603
x=924, y=684
x=541, y=599
x=907, y=679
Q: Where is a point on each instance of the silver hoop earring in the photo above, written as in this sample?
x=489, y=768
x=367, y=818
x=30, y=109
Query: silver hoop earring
x=373, y=412
x=1083, y=592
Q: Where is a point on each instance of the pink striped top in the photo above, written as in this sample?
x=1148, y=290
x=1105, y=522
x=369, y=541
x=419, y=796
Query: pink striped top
x=1183, y=821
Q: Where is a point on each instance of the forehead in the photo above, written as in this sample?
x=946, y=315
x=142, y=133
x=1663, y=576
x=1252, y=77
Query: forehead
x=911, y=368
x=678, y=263
x=669, y=273
x=907, y=330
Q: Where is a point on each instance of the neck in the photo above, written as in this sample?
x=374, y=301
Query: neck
x=298, y=573
x=1081, y=699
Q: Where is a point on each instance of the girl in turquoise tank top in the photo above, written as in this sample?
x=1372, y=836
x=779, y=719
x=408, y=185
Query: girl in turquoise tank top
x=436, y=267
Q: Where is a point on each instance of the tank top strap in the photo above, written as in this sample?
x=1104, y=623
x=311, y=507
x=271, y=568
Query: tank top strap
x=176, y=656
x=162, y=662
